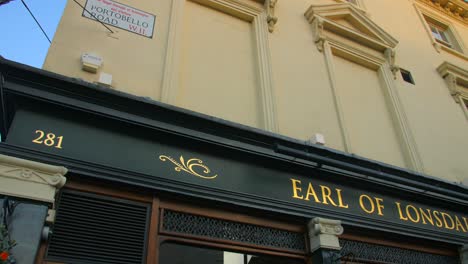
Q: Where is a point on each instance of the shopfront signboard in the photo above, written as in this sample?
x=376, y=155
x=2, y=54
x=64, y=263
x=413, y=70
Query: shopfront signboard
x=159, y=157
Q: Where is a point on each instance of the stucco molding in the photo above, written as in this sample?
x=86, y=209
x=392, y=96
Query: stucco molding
x=247, y=12
x=271, y=18
x=390, y=55
x=359, y=5
x=456, y=79
x=454, y=8
x=354, y=46
x=384, y=69
x=30, y=180
x=457, y=74
x=459, y=48
x=323, y=233
x=365, y=31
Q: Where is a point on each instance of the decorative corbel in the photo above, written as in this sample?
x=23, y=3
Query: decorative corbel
x=271, y=18
x=451, y=81
x=390, y=56
x=319, y=37
x=448, y=6
x=458, y=11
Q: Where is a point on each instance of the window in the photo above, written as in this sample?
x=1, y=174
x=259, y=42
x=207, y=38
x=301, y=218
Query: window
x=441, y=32
x=189, y=234
x=171, y=252
x=407, y=77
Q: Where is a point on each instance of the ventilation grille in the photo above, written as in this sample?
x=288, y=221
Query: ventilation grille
x=97, y=229
x=354, y=251
x=183, y=223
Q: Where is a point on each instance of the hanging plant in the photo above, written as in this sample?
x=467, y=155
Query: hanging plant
x=6, y=244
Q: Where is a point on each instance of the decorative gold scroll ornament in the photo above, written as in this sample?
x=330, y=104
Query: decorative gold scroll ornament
x=190, y=166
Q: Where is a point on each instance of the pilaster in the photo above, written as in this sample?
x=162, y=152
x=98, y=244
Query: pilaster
x=324, y=242
x=464, y=254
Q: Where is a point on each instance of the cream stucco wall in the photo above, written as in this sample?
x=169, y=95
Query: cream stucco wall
x=135, y=62
x=223, y=84
x=217, y=57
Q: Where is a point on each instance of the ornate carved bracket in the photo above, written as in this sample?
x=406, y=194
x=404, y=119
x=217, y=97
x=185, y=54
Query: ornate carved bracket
x=455, y=8
x=29, y=179
x=323, y=233
x=390, y=56
x=319, y=37
x=456, y=78
x=271, y=18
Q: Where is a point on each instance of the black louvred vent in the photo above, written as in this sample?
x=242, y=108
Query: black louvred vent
x=98, y=229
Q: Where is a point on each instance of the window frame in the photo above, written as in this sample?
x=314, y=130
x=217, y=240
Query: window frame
x=202, y=210
x=445, y=28
x=441, y=35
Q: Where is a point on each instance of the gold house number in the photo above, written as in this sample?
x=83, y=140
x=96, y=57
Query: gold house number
x=49, y=139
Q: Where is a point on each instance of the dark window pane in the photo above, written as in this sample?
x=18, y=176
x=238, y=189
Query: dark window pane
x=407, y=77
x=172, y=253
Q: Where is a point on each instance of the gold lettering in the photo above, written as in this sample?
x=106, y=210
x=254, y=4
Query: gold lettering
x=416, y=219
x=380, y=206
x=427, y=216
x=371, y=203
x=311, y=191
x=296, y=189
x=459, y=224
x=39, y=140
x=466, y=222
x=400, y=212
x=437, y=217
x=445, y=221
x=326, y=193
x=340, y=199
x=48, y=140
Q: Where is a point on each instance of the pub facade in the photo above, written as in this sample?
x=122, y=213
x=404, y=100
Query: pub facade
x=240, y=132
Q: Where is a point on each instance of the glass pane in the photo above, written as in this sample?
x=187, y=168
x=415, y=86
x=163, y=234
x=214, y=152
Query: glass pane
x=444, y=36
x=434, y=29
x=172, y=253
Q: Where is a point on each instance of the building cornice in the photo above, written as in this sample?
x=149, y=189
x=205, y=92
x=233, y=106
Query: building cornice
x=454, y=8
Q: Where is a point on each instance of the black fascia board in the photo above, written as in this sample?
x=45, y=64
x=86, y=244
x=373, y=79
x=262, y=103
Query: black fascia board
x=58, y=89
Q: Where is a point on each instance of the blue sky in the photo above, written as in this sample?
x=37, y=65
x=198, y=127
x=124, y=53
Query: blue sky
x=21, y=39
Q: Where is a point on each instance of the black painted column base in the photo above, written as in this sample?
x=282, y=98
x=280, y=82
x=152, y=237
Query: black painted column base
x=326, y=256
x=464, y=254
